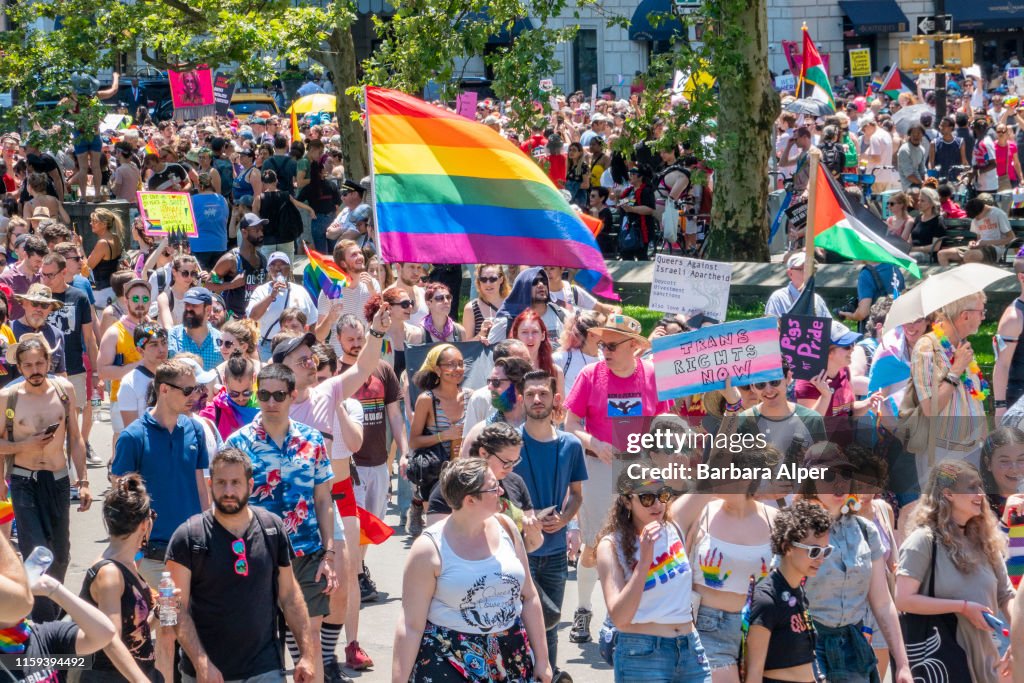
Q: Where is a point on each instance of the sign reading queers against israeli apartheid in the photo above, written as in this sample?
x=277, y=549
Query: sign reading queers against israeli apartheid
x=694, y=362
x=804, y=341
x=689, y=286
x=168, y=212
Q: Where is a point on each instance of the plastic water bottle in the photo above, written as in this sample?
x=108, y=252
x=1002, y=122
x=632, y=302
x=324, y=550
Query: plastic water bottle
x=282, y=280
x=167, y=603
x=37, y=563
x=96, y=393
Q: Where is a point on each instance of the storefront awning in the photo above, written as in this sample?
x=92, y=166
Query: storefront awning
x=641, y=28
x=875, y=16
x=986, y=14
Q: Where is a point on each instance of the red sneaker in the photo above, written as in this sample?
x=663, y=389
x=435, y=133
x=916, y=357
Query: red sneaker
x=356, y=657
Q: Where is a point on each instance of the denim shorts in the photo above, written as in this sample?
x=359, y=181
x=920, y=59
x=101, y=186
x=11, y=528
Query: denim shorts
x=650, y=659
x=720, y=634
x=845, y=655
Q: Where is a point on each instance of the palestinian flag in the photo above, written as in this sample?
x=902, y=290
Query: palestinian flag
x=852, y=231
x=813, y=77
x=896, y=82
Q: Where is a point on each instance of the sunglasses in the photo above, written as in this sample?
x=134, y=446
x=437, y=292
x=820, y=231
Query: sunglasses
x=307, y=362
x=406, y=304
x=489, y=280
x=815, y=551
x=833, y=473
x=186, y=391
x=49, y=276
x=441, y=298
x=453, y=365
x=761, y=385
x=225, y=343
x=279, y=396
x=647, y=499
x=139, y=299
x=72, y=258
x=241, y=561
x=496, y=382
x=610, y=346
x=240, y=394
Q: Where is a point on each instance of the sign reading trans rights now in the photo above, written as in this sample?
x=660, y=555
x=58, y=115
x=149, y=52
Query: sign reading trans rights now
x=695, y=362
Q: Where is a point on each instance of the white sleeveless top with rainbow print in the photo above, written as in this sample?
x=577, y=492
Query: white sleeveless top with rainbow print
x=666, y=598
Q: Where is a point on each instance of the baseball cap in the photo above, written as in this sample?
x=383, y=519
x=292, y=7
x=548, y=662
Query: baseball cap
x=251, y=220
x=797, y=260
x=843, y=336
x=286, y=346
x=198, y=295
x=278, y=256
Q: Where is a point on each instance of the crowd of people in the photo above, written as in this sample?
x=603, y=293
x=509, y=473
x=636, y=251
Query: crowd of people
x=256, y=422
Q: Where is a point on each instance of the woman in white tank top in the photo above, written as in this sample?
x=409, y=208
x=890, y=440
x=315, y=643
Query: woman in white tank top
x=467, y=591
x=728, y=534
x=647, y=581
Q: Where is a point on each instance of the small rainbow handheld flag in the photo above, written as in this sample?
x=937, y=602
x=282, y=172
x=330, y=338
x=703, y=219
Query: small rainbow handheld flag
x=322, y=274
x=151, y=148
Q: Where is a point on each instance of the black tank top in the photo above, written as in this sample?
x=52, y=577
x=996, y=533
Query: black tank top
x=237, y=299
x=1016, y=375
x=105, y=268
x=136, y=604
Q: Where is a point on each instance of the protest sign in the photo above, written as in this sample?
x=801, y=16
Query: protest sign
x=465, y=105
x=593, y=97
x=699, y=361
x=690, y=286
x=223, y=89
x=191, y=88
x=804, y=342
x=785, y=83
x=546, y=85
x=797, y=216
x=926, y=80
x=793, y=50
x=860, y=62
x=168, y=212
x=475, y=355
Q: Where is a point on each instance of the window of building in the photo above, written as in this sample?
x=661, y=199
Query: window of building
x=584, y=59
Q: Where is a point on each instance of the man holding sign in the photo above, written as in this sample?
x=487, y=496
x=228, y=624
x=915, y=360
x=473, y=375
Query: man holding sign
x=620, y=386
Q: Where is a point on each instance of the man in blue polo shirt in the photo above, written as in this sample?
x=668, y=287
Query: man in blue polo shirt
x=167, y=447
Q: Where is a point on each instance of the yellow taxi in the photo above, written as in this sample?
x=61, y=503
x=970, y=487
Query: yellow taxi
x=245, y=104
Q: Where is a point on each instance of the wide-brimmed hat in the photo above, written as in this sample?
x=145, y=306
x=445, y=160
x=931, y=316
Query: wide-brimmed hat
x=40, y=294
x=623, y=325
x=40, y=213
x=12, y=350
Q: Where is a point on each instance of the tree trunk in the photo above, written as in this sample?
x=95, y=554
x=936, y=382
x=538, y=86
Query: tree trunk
x=340, y=59
x=748, y=107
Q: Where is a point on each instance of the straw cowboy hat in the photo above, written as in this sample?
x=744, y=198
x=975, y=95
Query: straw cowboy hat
x=12, y=350
x=621, y=325
x=40, y=294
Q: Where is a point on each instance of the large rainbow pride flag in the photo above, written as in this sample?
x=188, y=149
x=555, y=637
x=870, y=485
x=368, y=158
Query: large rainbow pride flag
x=451, y=190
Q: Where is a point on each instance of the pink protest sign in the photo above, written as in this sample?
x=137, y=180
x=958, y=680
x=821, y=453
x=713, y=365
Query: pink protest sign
x=795, y=57
x=804, y=341
x=191, y=88
x=465, y=105
x=694, y=362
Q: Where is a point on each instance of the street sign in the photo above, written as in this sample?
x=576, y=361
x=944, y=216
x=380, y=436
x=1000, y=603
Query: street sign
x=860, y=62
x=683, y=7
x=941, y=23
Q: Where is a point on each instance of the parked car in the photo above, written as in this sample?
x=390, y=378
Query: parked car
x=245, y=104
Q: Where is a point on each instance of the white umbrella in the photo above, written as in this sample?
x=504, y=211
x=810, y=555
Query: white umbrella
x=939, y=290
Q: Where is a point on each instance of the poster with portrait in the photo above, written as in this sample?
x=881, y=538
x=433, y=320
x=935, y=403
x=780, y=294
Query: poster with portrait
x=193, y=88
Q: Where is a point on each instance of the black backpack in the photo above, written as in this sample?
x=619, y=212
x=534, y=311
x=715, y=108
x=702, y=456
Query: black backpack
x=289, y=222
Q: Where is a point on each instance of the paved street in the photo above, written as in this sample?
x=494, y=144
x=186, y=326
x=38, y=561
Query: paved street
x=378, y=620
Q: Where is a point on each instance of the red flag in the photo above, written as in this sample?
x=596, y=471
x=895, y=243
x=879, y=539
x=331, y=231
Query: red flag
x=595, y=224
x=372, y=530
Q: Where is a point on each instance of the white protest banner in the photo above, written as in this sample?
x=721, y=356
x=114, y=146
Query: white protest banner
x=690, y=286
x=785, y=83
x=926, y=80
x=593, y=97
x=695, y=362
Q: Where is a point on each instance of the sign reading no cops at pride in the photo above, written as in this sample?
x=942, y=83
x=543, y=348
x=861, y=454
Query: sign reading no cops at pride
x=694, y=362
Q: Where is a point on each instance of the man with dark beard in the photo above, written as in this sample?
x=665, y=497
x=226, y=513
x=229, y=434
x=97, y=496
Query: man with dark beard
x=228, y=563
x=243, y=269
x=35, y=426
x=196, y=334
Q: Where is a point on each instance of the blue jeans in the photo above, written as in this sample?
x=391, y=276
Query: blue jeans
x=319, y=231
x=650, y=659
x=845, y=655
x=550, y=574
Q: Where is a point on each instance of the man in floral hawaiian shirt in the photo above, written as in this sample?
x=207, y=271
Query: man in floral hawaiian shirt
x=292, y=475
